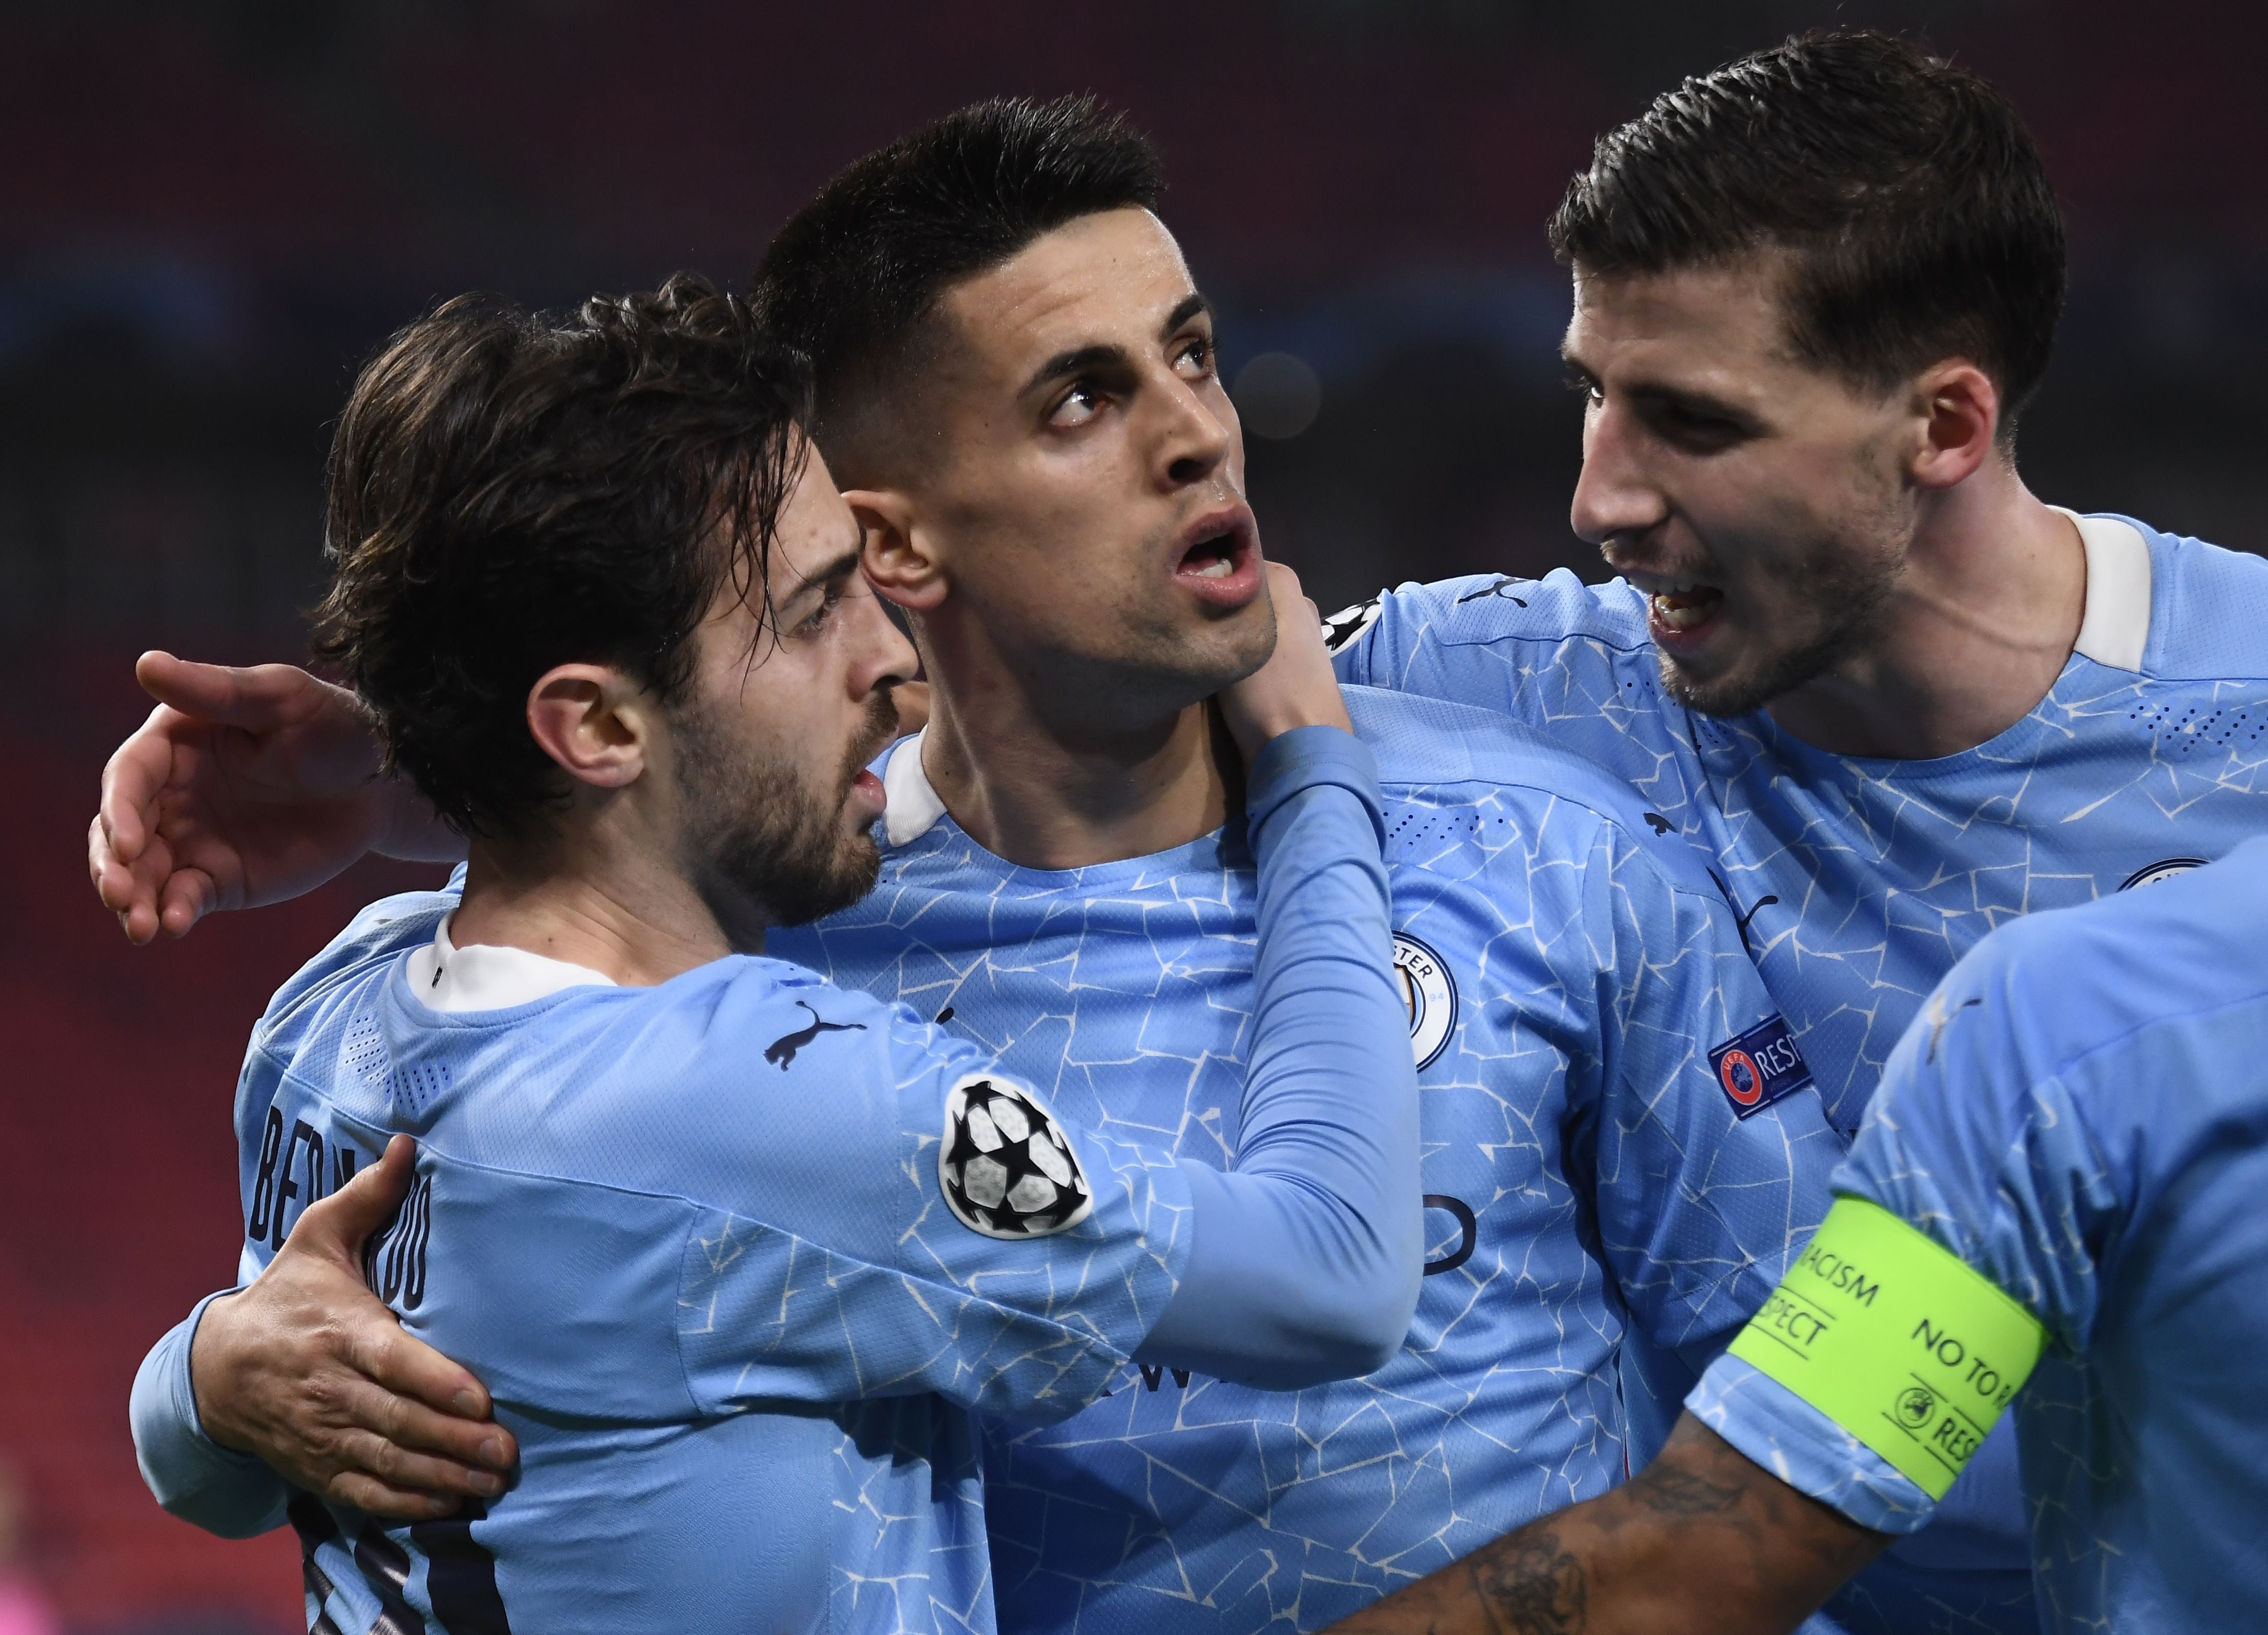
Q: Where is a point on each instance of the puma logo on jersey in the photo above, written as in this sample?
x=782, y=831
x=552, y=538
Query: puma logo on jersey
x=1501, y=590
x=1939, y=1017
x=781, y=1051
x=1740, y=920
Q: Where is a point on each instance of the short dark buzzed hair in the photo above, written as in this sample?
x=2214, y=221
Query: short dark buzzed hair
x=1919, y=214
x=854, y=276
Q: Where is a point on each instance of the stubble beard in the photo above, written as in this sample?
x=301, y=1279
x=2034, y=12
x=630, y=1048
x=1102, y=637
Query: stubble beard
x=1848, y=583
x=759, y=832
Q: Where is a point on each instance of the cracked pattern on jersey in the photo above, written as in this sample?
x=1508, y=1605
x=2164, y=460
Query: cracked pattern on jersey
x=2061, y=1118
x=794, y=1329
x=1860, y=883
x=1616, y=1209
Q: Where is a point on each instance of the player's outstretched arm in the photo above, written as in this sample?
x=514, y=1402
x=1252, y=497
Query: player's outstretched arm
x=244, y=786
x=309, y=1372
x=250, y=786
x=1701, y=1541
x=1307, y=1256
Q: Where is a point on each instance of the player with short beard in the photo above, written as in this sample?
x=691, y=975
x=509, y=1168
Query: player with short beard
x=758, y=831
x=738, y=1253
x=1893, y=697
x=1016, y=378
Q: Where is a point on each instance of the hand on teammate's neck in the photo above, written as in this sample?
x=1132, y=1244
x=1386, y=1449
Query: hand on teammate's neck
x=1984, y=619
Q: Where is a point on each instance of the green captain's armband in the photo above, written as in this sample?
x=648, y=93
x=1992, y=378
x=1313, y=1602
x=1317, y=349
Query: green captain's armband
x=1897, y=1339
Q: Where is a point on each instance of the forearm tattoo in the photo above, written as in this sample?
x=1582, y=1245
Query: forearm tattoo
x=1529, y=1585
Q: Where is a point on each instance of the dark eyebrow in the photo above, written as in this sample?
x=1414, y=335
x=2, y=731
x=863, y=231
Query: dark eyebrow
x=1683, y=398
x=1690, y=403
x=1191, y=304
x=1083, y=359
x=1078, y=361
x=834, y=568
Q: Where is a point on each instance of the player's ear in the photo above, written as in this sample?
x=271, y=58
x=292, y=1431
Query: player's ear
x=592, y=720
x=1958, y=407
x=898, y=557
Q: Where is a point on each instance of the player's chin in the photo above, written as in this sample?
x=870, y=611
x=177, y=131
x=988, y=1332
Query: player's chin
x=1231, y=644
x=1724, y=683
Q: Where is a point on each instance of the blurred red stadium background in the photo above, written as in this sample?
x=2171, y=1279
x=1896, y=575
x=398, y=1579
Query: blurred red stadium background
x=217, y=208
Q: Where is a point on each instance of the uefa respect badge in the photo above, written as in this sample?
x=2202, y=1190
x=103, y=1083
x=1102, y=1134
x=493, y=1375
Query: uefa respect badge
x=1757, y=1068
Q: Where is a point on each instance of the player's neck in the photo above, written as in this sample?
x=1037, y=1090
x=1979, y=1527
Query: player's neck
x=1983, y=620
x=611, y=907
x=1030, y=783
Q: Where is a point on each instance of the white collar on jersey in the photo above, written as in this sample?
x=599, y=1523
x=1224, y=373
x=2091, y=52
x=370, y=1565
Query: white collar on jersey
x=2116, y=626
x=486, y=977
x=2113, y=631
x=910, y=804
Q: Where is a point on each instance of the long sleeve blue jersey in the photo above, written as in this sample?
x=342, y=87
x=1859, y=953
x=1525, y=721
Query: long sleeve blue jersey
x=739, y=1255
x=1859, y=882
x=1621, y=1148
x=2080, y=1114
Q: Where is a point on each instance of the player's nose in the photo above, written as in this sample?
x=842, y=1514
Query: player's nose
x=1194, y=435
x=882, y=655
x=1614, y=494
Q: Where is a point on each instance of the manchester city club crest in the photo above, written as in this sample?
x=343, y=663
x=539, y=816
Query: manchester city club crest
x=1429, y=995
x=2158, y=873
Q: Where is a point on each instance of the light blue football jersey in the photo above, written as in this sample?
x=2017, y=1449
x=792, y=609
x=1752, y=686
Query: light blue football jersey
x=1859, y=882
x=739, y=1256
x=680, y=1268
x=2080, y=1112
x=1621, y=1148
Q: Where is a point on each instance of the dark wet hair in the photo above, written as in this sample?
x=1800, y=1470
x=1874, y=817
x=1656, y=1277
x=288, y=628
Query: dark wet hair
x=511, y=492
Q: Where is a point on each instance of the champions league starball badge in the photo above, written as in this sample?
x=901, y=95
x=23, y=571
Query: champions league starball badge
x=1349, y=622
x=1427, y=994
x=1004, y=1168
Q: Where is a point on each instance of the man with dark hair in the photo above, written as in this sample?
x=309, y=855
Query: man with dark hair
x=1621, y=1143
x=738, y=1253
x=1894, y=698
x=2015, y=1224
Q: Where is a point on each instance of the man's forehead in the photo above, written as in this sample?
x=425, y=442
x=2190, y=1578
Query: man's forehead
x=815, y=528
x=1718, y=329
x=1110, y=275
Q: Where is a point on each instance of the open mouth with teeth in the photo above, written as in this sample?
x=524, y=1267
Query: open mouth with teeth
x=1211, y=559
x=1683, y=611
x=1221, y=568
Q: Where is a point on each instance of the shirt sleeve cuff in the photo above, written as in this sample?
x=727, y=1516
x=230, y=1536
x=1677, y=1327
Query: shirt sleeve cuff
x=192, y=1476
x=1777, y=1430
x=1308, y=757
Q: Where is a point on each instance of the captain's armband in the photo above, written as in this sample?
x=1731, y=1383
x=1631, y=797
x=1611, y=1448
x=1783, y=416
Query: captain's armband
x=1897, y=1339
